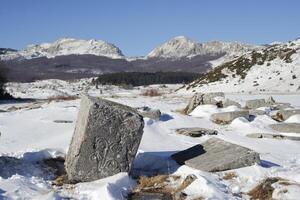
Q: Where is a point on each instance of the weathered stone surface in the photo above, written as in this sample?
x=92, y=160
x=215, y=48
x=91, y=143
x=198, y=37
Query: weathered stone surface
x=216, y=155
x=257, y=112
x=229, y=102
x=285, y=114
x=280, y=106
x=196, y=132
x=106, y=139
x=150, y=196
x=204, y=98
x=256, y=103
x=227, y=117
x=272, y=136
x=150, y=113
x=286, y=127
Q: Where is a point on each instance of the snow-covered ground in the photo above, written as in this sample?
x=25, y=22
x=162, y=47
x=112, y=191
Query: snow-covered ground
x=30, y=134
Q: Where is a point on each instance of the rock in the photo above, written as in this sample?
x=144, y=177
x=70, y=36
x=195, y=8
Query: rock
x=256, y=103
x=281, y=106
x=105, y=141
x=196, y=132
x=216, y=155
x=229, y=102
x=149, y=113
x=257, y=112
x=270, y=100
x=227, y=117
x=283, y=115
x=150, y=196
x=286, y=127
x=62, y=121
x=272, y=136
x=201, y=99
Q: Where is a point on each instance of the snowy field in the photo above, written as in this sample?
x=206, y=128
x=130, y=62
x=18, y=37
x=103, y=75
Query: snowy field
x=30, y=133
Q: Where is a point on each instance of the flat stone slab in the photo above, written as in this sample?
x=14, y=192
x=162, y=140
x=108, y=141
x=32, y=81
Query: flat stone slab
x=272, y=136
x=196, y=132
x=106, y=138
x=204, y=98
x=150, y=196
x=286, y=127
x=216, y=155
x=149, y=112
x=227, y=117
x=256, y=103
x=285, y=114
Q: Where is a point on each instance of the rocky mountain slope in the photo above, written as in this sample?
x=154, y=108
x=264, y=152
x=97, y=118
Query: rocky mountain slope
x=275, y=68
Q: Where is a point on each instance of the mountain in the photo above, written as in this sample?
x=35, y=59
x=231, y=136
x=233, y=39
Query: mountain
x=274, y=68
x=181, y=46
x=66, y=46
x=6, y=51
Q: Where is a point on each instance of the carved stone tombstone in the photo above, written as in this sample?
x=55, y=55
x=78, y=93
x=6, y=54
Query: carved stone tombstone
x=106, y=139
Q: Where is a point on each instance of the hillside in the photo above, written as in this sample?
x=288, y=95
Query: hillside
x=275, y=68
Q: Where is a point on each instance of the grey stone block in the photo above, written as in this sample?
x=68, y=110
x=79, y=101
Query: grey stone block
x=227, y=117
x=203, y=98
x=196, y=132
x=106, y=138
x=149, y=113
x=286, y=127
x=285, y=114
x=256, y=103
x=216, y=155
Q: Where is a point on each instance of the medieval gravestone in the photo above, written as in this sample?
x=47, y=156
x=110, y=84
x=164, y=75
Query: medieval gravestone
x=106, y=138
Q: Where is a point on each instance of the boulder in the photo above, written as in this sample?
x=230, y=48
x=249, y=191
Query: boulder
x=283, y=115
x=149, y=113
x=106, y=138
x=196, y=132
x=216, y=155
x=286, y=127
x=229, y=102
x=257, y=112
x=227, y=117
x=204, y=98
x=256, y=103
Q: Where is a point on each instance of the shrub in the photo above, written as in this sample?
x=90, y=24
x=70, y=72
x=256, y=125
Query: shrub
x=151, y=93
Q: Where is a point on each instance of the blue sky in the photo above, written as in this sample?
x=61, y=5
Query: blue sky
x=137, y=26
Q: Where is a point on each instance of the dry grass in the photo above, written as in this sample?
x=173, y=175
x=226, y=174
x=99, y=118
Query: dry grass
x=151, y=93
x=164, y=184
x=62, y=98
x=264, y=190
x=229, y=176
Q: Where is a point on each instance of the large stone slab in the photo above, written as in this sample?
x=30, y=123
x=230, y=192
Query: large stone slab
x=286, y=127
x=256, y=103
x=216, y=155
x=106, y=138
x=196, y=132
x=272, y=136
x=282, y=115
x=204, y=98
x=149, y=112
x=227, y=117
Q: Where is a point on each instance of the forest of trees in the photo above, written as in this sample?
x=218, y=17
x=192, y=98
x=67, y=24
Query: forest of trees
x=3, y=94
x=145, y=78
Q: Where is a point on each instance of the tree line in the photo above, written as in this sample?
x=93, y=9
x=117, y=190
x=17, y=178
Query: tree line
x=145, y=78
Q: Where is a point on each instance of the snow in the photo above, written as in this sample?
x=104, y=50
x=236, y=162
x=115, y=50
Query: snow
x=276, y=76
x=67, y=46
x=30, y=135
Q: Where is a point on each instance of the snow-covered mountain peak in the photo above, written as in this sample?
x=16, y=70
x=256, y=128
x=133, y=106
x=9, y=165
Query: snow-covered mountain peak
x=182, y=46
x=67, y=46
x=177, y=47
